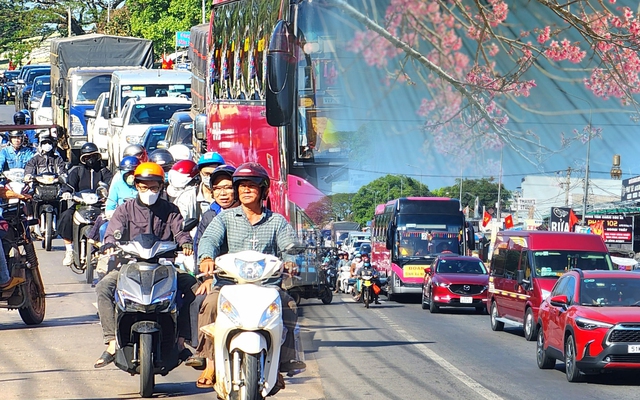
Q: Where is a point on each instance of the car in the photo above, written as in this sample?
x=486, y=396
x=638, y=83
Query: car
x=153, y=135
x=40, y=85
x=98, y=124
x=25, y=85
x=591, y=322
x=43, y=114
x=180, y=131
x=455, y=281
x=9, y=86
x=136, y=116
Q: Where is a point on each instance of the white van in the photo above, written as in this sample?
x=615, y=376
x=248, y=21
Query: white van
x=146, y=83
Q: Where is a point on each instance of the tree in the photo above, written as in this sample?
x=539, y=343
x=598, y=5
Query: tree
x=381, y=190
x=471, y=62
x=485, y=189
x=336, y=207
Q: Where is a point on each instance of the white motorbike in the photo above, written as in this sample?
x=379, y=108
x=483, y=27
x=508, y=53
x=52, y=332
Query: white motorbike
x=248, y=331
x=343, y=279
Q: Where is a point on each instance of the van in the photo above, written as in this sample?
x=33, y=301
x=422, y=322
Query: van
x=354, y=237
x=140, y=83
x=526, y=264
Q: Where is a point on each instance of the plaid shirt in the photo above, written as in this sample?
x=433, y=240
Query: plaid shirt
x=271, y=235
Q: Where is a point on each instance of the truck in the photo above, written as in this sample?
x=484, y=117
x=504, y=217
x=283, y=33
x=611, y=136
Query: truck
x=198, y=48
x=81, y=68
x=340, y=231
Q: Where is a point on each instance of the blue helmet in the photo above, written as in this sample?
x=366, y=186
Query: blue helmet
x=129, y=163
x=224, y=169
x=209, y=159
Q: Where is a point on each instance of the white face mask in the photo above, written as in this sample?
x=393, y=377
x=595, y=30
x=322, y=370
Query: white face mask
x=149, y=198
x=46, y=147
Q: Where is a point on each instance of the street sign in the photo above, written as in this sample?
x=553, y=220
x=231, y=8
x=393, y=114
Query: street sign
x=183, y=38
x=631, y=188
x=526, y=204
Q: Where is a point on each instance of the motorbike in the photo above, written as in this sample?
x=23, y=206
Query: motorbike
x=147, y=309
x=29, y=297
x=47, y=189
x=249, y=330
x=89, y=205
x=343, y=279
x=367, y=283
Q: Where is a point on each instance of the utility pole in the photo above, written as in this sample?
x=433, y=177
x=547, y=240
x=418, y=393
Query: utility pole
x=567, y=187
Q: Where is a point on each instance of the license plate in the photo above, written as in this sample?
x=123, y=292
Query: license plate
x=634, y=348
x=466, y=300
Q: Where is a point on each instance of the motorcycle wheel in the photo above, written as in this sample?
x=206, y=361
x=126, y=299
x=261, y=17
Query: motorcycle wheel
x=80, y=256
x=328, y=296
x=365, y=297
x=147, y=378
x=33, y=311
x=90, y=266
x=250, y=372
x=48, y=231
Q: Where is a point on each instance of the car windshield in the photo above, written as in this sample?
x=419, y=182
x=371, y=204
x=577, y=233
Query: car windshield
x=185, y=134
x=153, y=136
x=610, y=292
x=41, y=85
x=11, y=74
x=33, y=74
x=46, y=102
x=153, y=113
x=554, y=263
x=453, y=266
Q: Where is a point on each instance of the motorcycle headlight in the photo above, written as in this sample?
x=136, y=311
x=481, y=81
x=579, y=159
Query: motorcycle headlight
x=76, y=126
x=133, y=274
x=229, y=310
x=160, y=274
x=89, y=198
x=46, y=179
x=163, y=302
x=250, y=270
x=589, y=324
x=270, y=314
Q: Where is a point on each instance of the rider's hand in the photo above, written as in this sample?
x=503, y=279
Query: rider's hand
x=25, y=197
x=205, y=287
x=66, y=196
x=187, y=249
x=108, y=248
x=207, y=266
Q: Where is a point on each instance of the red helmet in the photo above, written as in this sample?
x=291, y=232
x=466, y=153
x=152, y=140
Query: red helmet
x=182, y=173
x=253, y=172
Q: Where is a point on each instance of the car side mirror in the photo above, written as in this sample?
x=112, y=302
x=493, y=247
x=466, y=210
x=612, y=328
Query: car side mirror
x=117, y=121
x=427, y=270
x=162, y=144
x=559, y=300
x=189, y=224
x=200, y=127
x=90, y=113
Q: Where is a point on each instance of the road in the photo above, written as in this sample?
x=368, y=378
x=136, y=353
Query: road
x=391, y=351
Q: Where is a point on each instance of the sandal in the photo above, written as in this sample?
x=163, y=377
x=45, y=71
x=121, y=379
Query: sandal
x=205, y=381
x=105, y=359
x=195, y=362
x=13, y=282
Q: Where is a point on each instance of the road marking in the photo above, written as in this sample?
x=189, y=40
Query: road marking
x=446, y=365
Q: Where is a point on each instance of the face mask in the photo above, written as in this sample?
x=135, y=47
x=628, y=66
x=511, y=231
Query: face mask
x=130, y=179
x=149, y=198
x=93, y=163
x=47, y=147
x=206, y=180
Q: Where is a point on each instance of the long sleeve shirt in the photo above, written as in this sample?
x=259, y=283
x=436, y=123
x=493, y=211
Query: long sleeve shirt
x=10, y=158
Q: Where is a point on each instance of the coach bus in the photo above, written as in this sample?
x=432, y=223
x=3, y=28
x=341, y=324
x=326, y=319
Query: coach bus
x=407, y=235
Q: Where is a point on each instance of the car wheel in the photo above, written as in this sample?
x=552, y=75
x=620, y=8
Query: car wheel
x=530, y=327
x=571, y=369
x=495, y=324
x=425, y=305
x=544, y=361
x=433, y=307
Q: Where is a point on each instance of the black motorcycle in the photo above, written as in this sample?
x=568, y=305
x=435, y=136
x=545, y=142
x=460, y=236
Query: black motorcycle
x=47, y=189
x=28, y=297
x=89, y=205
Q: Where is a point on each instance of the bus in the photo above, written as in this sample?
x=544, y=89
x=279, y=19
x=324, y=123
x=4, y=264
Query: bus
x=407, y=234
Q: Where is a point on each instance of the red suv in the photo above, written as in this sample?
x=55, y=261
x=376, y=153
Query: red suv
x=455, y=281
x=591, y=321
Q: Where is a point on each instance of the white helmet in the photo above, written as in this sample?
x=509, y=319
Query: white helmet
x=181, y=152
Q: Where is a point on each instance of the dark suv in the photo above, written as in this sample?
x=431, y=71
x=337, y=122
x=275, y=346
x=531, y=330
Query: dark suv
x=180, y=131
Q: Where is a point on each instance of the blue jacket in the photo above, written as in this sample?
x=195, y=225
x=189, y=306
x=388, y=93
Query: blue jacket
x=9, y=158
x=119, y=192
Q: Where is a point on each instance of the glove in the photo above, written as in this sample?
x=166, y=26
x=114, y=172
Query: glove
x=66, y=196
x=106, y=247
x=187, y=247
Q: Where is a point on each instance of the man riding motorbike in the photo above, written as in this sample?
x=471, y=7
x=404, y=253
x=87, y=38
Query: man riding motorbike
x=85, y=176
x=6, y=281
x=46, y=159
x=17, y=154
x=367, y=268
x=183, y=186
x=207, y=163
x=148, y=213
x=270, y=234
x=22, y=118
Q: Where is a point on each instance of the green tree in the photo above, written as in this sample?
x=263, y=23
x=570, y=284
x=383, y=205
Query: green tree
x=485, y=189
x=336, y=207
x=381, y=190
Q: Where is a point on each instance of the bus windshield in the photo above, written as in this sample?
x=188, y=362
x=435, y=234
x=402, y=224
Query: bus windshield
x=554, y=263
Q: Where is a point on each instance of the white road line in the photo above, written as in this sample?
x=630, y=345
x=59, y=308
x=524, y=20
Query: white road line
x=458, y=374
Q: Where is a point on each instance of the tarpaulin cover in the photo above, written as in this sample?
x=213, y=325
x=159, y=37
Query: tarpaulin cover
x=198, y=57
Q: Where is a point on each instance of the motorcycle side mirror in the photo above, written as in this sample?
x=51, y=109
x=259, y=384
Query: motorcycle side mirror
x=62, y=178
x=103, y=184
x=102, y=192
x=189, y=224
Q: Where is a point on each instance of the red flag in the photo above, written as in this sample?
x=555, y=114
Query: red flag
x=572, y=220
x=486, y=218
x=508, y=222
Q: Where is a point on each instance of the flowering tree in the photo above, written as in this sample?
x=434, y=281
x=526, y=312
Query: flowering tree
x=471, y=61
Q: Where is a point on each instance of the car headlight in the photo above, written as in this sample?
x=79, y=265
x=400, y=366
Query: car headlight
x=229, y=310
x=442, y=284
x=545, y=293
x=250, y=270
x=270, y=314
x=76, y=126
x=133, y=139
x=590, y=324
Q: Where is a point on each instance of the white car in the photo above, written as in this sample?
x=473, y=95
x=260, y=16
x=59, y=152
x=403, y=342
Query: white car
x=98, y=124
x=43, y=114
x=136, y=116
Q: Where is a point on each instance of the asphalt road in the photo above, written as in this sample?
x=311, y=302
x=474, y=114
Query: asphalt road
x=391, y=351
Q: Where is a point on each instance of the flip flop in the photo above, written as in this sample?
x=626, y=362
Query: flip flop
x=204, y=381
x=13, y=282
x=105, y=359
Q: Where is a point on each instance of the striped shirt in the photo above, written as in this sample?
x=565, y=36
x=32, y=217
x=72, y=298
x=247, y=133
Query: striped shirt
x=271, y=235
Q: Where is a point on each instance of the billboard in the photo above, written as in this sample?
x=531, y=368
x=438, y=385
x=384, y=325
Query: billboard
x=183, y=38
x=559, y=219
x=631, y=189
x=614, y=228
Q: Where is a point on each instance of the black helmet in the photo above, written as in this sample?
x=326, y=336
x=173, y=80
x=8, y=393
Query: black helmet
x=135, y=150
x=19, y=118
x=255, y=173
x=13, y=134
x=87, y=150
x=163, y=158
x=223, y=169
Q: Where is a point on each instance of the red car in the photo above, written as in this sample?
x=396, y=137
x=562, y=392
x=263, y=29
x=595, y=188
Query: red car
x=591, y=321
x=455, y=281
